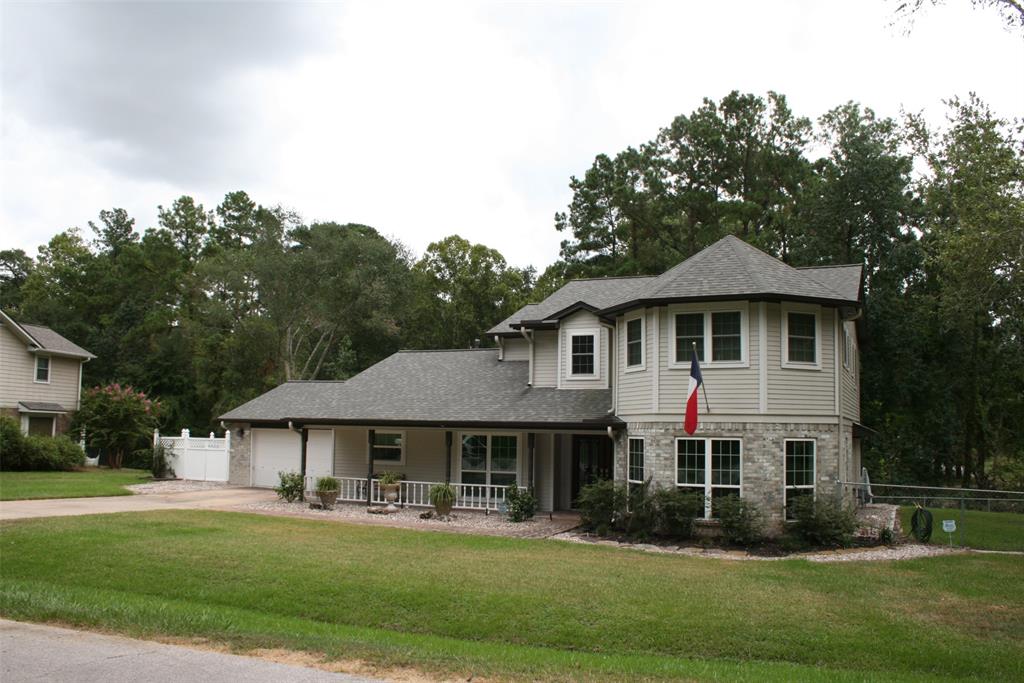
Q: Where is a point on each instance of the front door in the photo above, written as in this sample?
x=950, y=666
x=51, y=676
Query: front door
x=591, y=461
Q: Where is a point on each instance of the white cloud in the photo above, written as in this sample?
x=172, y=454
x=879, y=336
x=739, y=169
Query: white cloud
x=425, y=120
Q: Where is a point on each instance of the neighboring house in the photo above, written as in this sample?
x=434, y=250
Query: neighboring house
x=40, y=376
x=591, y=383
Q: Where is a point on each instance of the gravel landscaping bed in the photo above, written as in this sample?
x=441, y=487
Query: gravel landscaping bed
x=176, y=486
x=460, y=521
x=906, y=551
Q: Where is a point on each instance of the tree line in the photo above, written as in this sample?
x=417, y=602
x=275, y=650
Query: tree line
x=213, y=307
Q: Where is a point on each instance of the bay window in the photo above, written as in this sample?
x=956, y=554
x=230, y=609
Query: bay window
x=719, y=338
x=799, y=471
x=635, y=473
x=714, y=477
x=635, y=343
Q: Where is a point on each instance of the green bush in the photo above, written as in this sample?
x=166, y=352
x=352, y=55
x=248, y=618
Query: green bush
x=327, y=484
x=442, y=495
x=290, y=488
x=741, y=521
x=52, y=453
x=639, y=514
x=675, y=511
x=521, y=504
x=598, y=504
x=117, y=419
x=389, y=478
x=12, y=445
x=823, y=522
x=161, y=463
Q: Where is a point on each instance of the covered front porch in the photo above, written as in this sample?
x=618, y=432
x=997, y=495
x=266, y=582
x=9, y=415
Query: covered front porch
x=481, y=464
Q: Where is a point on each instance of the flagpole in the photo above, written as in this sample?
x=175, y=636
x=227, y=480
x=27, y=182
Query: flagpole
x=707, y=406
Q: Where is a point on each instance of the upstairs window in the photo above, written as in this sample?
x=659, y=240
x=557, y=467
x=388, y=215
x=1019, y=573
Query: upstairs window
x=800, y=340
x=726, y=336
x=42, y=369
x=689, y=331
x=635, y=343
x=583, y=355
x=718, y=337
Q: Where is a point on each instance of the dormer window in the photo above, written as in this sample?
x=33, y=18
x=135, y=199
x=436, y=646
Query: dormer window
x=583, y=355
x=43, y=369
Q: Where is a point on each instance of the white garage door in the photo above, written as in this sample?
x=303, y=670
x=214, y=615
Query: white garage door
x=273, y=451
x=320, y=453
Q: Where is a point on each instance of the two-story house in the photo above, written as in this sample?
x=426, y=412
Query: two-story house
x=40, y=376
x=591, y=383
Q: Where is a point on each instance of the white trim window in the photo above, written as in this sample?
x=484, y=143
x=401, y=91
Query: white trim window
x=720, y=336
x=489, y=459
x=388, y=448
x=800, y=463
x=635, y=344
x=583, y=350
x=716, y=477
x=42, y=370
x=801, y=337
x=847, y=349
x=635, y=473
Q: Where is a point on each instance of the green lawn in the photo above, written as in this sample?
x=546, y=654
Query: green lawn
x=85, y=483
x=508, y=608
x=982, y=530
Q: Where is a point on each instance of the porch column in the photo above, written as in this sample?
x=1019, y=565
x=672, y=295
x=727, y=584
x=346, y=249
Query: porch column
x=448, y=454
x=303, y=439
x=531, y=441
x=369, y=471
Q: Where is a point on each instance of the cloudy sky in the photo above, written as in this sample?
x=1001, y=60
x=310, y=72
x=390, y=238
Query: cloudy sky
x=426, y=119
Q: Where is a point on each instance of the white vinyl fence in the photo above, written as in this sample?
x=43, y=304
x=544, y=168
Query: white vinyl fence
x=197, y=458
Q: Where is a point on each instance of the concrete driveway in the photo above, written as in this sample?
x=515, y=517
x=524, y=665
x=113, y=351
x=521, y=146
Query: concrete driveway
x=33, y=652
x=213, y=499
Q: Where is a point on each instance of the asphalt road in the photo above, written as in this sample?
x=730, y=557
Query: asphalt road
x=33, y=652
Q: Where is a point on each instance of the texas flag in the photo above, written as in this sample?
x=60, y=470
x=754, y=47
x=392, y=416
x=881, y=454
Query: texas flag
x=690, y=423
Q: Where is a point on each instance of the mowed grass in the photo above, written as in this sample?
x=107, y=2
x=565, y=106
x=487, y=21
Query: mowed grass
x=980, y=529
x=85, y=483
x=507, y=608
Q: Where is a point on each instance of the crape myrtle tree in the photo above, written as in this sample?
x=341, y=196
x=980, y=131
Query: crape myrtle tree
x=119, y=419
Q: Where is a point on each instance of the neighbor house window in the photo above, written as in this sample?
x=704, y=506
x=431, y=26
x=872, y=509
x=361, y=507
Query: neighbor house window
x=799, y=471
x=583, y=354
x=717, y=336
x=42, y=369
x=689, y=331
x=847, y=349
x=800, y=338
x=389, y=447
x=716, y=477
x=490, y=459
x=635, y=343
x=635, y=475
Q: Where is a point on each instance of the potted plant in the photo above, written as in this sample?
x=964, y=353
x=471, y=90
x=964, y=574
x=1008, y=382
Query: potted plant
x=389, y=485
x=327, y=490
x=442, y=497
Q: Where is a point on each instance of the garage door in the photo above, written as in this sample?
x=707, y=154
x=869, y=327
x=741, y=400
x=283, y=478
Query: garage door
x=273, y=451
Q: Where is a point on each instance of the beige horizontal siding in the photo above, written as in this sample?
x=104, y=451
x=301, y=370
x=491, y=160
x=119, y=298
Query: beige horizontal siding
x=635, y=388
x=545, y=358
x=798, y=391
x=17, y=375
x=850, y=378
x=574, y=323
x=516, y=349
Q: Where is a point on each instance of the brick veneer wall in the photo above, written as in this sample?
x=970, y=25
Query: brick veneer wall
x=239, y=471
x=763, y=456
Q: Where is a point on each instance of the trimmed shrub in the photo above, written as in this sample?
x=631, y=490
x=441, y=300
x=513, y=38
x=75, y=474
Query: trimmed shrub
x=52, y=453
x=741, y=521
x=290, y=488
x=12, y=445
x=676, y=510
x=521, y=504
x=639, y=513
x=161, y=464
x=823, y=522
x=598, y=504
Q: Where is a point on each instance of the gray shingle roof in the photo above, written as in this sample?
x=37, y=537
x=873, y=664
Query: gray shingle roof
x=844, y=279
x=598, y=293
x=450, y=388
x=731, y=268
x=51, y=341
x=41, y=407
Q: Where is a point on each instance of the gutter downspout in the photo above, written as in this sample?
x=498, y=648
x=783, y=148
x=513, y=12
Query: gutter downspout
x=303, y=440
x=529, y=339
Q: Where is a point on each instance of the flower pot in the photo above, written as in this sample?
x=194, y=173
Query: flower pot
x=391, y=492
x=327, y=498
x=443, y=509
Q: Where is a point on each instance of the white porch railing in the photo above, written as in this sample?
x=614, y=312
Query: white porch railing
x=417, y=493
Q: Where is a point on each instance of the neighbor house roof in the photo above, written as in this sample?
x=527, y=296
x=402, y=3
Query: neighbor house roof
x=40, y=338
x=732, y=269
x=40, y=407
x=590, y=293
x=461, y=388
